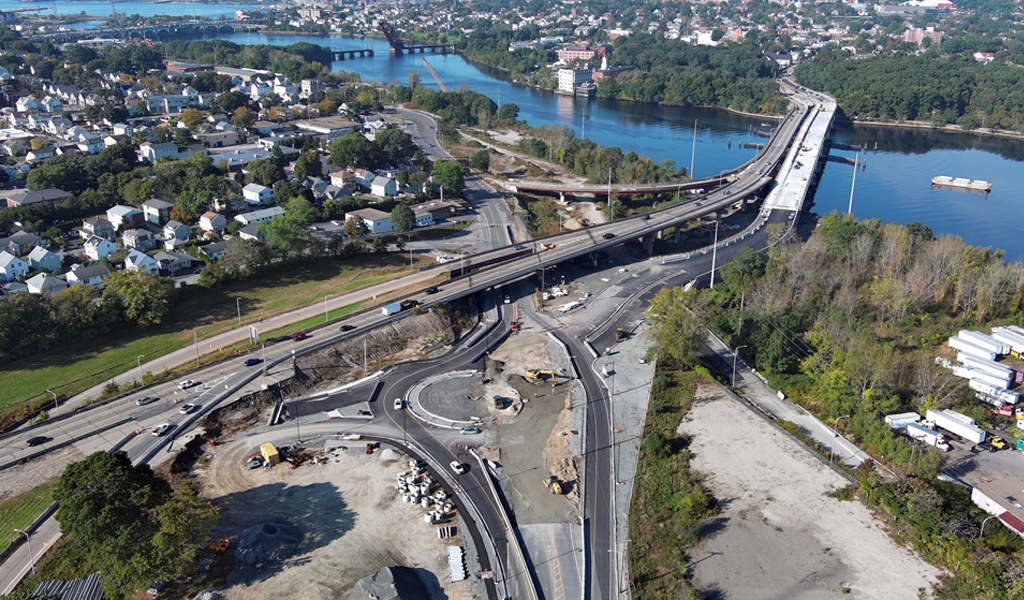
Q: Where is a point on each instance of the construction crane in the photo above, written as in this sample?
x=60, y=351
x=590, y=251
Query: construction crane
x=434, y=75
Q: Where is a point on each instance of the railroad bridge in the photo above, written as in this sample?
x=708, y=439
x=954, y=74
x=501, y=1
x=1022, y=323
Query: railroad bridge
x=399, y=47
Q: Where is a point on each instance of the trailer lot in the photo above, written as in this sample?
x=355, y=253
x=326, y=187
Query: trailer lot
x=979, y=466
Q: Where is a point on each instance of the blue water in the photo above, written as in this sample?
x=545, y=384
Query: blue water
x=146, y=9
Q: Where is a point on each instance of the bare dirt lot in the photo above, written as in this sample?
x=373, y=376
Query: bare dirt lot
x=351, y=516
x=780, y=535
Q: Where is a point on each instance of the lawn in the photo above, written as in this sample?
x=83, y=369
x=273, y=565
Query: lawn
x=71, y=369
x=19, y=512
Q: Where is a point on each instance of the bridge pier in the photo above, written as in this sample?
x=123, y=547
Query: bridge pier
x=593, y=258
x=678, y=235
x=648, y=242
x=395, y=51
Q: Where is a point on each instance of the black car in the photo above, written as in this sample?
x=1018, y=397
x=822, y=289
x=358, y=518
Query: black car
x=431, y=290
x=347, y=327
x=608, y=235
x=520, y=247
x=647, y=217
x=37, y=440
x=987, y=447
x=253, y=361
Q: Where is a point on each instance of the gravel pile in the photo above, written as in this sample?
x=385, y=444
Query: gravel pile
x=269, y=541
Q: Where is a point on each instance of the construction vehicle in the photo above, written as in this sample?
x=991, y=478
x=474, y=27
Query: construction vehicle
x=621, y=334
x=539, y=375
x=552, y=484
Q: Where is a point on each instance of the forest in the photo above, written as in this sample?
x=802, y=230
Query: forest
x=848, y=325
x=927, y=87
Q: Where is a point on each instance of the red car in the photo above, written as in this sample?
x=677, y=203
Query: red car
x=298, y=336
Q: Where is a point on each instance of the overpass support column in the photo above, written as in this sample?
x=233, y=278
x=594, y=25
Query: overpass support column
x=648, y=241
x=678, y=236
x=593, y=258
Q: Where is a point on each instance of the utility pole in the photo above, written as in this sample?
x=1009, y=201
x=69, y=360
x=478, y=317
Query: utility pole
x=238, y=307
x=263, y=347
x=326, y=318
x=714, y=253
x=611, y=213
x=364, y=355
x=195, y=341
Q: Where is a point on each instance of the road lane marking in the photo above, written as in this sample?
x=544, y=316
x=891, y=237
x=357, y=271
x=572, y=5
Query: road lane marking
x=556, y=571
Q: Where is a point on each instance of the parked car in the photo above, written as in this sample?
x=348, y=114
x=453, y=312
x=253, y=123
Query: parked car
x=146, y=400
x=162, y=429
x=188, y=408
x=470, y=431
x=253, y=361
x=298, y=337
x=987, y=447
x=458, y=467
x=37, y=440
x=188, y=383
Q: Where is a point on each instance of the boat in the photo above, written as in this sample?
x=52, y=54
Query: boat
x=973, y=185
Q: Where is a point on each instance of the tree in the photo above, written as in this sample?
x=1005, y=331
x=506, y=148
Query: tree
x=265, y=172
x=394, y=144
x=243, y=119
x=481, y=161
x=308, y=165
x=289, y=234
x=140, y=297
x=451, y=175
x=402, y=218
x=678, y=319
x=400, y=244
x=277, y=114
x=356, y=227
x=747, y=267
x=509, y=112
x=380, y=244
x=192, y=117
x=130, y=523
x=354, y=150
x=183, y=137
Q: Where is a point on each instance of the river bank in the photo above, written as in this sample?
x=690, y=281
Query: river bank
x=924, y=125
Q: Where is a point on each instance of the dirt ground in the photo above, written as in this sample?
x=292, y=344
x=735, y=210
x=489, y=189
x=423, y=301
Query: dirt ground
x=780, y=535
x=350, y=513
x=24, y=477
x=533, y=444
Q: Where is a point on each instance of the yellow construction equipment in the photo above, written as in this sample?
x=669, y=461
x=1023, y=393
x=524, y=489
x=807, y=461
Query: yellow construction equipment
x=552, y=484
x=538, y=374
x=620, y=334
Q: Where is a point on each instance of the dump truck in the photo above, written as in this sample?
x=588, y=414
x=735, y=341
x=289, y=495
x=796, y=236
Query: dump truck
x=621, y=334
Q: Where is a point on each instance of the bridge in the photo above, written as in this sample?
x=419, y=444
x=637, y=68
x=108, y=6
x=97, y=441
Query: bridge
x=399, y=47
x=343, y=54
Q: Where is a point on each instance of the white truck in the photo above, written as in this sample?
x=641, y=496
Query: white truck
x=928, y=436
x=989, y=366
x=391, y=309
x=569, y=306
x=901, y=420
x=984, y=340
x=968, y=347
x=958, y=424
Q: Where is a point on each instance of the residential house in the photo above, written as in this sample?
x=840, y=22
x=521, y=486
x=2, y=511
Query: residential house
x=57, y=126
x=35, y=156
x=152, y=151
x=97, y=248
x=176, y=230
x=139, y=239
x=100, y=226
x=44, y=283
x=79, y=275
x=283, y=86
x=125, y=217
x=16, y=147
x=190, y=92
x=218, y=139
x=316, y=185
x=364, y=178
x=211, y=221
x=41, y=259
x=157, y=211
x=93, y=146
x=141, y=262
x=173, y=263
x=13, y=287
x=343, y=180
x=19, y=242
x=26, y=104
x=383, y=187
x=122, y=129
x=257, y=89
x=214, y=251
x=311, y=86
x=26, y=198
x=257, y=194
x=252, y=232
x=11, y=267
x=167, y=103
x=259, y=216
x=377, y=221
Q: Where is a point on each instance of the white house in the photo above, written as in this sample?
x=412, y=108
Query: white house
x=211, y=221
x=121, y=216
x=167, y=104
x=44, y=283
x=377, y=221
x=383, y=187
x=26, y=104
x=98, y=248
x=257, y=194
x=259, y=216
x=142, y=262
x=79, y=275
x=11, y=267
x=176, y=230
x=42, y=259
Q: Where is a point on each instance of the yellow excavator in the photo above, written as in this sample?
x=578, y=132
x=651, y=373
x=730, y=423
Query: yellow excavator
x=539, y=375
x=552, y=484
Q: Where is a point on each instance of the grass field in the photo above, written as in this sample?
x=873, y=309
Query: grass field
x=669, y=501
x=19, y=512
x=71, y=369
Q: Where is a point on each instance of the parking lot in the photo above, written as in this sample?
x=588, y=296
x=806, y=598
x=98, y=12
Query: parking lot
x=979, y=466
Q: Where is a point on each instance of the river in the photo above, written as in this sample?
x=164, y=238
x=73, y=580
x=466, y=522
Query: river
x=895, y=186
x=98, y=8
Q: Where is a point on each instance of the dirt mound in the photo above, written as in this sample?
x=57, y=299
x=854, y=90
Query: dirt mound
x=269, y=541
x=392, y=583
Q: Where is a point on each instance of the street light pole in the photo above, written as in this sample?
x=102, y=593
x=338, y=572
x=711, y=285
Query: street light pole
x=238, y=306
x=138, y=359
x=835, y=430
x=325, y=307
x=28, y=542
x=54, y=402
x=714, y=253
x=693, y=151
x=734, y=353
x=195, y=341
